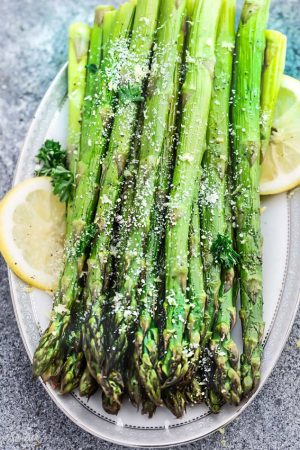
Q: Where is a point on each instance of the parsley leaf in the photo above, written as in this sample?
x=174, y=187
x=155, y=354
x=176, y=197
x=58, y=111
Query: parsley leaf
x=92, y=68
x=49, y=156
x=223, y=252
x=53, y=163
x=63, y=182
x=130, y=94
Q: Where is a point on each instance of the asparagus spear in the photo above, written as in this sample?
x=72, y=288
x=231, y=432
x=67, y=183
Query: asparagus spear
x=196, y=99
x=271, y=79
x=79, y=38
x=88, y=385
x=160, y=94
x=190, y=6
x=133, y=386
x=250, y=46
x=93, y=79
x=147, y=334
x=148, y=407
x=192, y=384
x=175, y=401
x=93, y=142
x=74, y=361
x=130, y=94
x=196, y=293
x=218, y=253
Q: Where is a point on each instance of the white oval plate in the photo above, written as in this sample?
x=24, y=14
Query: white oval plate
x=280, y=222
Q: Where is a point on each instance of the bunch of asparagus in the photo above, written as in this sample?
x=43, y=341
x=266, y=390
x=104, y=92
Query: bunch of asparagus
x=170, y=112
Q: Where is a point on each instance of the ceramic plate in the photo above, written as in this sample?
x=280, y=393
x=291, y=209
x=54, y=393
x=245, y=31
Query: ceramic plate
x=280, y=222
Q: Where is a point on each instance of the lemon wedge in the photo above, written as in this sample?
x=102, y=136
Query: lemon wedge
x=32, y=230
x=281, y=165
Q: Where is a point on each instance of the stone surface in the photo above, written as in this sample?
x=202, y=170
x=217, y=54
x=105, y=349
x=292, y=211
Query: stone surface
x=33, y=36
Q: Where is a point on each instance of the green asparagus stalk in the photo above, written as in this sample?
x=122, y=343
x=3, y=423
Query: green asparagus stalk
x=175, y=401
x=133, y=385
x=148, y=407
x=88, y=385
x=190, y=7
x=274, y=63
x=130, y=95
x=147, y=334
x=250, y=47
x=218, y=253
x=93, y=77
x=119, y=243
x=196, y=99
x=79, y=38
x=74, y=362
x=191, y=386
x=159, y=99
x=107, y=31
x=93, y=143
x=196, y=291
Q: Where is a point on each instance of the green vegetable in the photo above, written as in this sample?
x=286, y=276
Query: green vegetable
x=95, y=131
x=88, y=385
x=196, y=92
x=273, y=69
x=79, y=40
x=123, y=133
x=250, y=47
x=147, y=335
x=159, y=99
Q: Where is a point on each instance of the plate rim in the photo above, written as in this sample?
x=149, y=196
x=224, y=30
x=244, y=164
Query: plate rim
x=12, y=284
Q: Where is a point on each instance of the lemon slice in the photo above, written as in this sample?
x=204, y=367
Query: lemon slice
x=32, y=230
x=281, y=165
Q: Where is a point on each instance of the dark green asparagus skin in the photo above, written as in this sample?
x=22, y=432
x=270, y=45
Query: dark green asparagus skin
x=74, y=362
x=133, y=386
x=93, y=145
x=148, y=407
x=147, y=335
x=175, y=401
x=250, y=46
x=159, y=99
x=88, y=385
x=196, y=91
x=194, y=391
x=130, y=95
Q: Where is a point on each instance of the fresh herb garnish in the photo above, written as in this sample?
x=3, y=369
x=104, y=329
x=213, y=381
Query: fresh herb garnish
x=223, y=252
x=63, y=182
x=130, y=94
x=92, y=68
x=53, y=163
x=50, y=155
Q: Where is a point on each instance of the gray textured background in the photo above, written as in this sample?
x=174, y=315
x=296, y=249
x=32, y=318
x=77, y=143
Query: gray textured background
x=33, y=38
